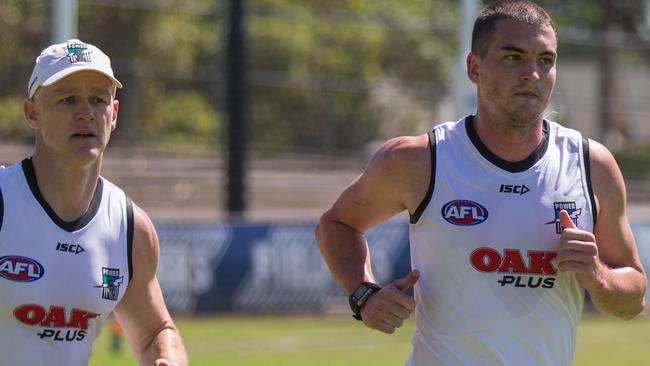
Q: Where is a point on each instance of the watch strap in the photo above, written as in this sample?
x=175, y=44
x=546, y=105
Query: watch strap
x=359, y=297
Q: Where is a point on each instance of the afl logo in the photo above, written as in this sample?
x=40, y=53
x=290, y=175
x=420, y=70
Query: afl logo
x=464, y=213
x=20, y=269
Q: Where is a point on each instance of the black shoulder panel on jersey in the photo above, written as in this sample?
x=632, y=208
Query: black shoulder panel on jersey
x=585, y=155
x=2, y=209
x=415, y=217
x=69, y=226
x=129, y=235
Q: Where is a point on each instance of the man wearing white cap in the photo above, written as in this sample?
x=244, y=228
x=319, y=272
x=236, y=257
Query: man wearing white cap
x=73, y=247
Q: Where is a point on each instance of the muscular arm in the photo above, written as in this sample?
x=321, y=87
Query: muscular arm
x=395, y=179
x=611, y=272
x=147, y=325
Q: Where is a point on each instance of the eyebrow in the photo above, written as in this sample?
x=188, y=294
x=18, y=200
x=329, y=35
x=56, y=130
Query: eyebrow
x=521, y=50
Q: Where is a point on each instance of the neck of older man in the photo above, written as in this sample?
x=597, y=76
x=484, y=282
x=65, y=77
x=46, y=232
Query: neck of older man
x=68, y=188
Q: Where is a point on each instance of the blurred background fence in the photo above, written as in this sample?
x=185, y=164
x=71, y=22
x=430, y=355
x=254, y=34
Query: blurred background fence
x=322, y=83
x=275, y=268
x=268, y=268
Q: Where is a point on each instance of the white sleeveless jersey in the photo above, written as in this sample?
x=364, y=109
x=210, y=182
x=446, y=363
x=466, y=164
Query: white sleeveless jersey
x=58, y=280
x=485, y=240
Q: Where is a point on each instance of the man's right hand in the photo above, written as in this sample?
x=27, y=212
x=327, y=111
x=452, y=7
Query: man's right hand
x=387, y=309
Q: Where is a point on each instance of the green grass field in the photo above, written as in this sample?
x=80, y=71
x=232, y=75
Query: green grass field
x=340, y=341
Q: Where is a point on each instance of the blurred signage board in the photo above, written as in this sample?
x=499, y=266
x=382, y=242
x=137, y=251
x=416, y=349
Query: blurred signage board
x=274, y=268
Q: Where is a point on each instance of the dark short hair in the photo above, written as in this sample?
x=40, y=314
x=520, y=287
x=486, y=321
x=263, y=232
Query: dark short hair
x=520, y=10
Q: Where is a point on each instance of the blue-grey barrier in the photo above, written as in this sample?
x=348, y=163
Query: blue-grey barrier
x=240, y=267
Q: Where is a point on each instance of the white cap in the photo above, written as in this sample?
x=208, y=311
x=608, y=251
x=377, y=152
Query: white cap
x=60, y=60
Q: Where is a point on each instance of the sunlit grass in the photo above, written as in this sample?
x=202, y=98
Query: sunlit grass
x=341, y=341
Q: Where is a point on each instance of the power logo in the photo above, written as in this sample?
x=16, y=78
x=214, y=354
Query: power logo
x=532, y=273
x=111, y=281
x=571, y=208
x=55, y=317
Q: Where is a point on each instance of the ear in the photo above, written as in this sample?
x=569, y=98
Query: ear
x=473, y=61
x=31, y=113
x=116, y=109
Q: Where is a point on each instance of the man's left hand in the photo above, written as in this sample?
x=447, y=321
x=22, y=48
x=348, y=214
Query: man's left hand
x=578, y=252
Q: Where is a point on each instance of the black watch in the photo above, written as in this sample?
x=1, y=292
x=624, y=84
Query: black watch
x=360, y=295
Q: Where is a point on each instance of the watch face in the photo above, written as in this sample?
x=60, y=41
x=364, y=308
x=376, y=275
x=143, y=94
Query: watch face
x=359, y=292
x=359, y=296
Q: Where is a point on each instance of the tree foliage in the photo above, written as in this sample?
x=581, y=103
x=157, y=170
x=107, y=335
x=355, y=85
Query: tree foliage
x=323, y=75
x=320, y=65
x=315, y=67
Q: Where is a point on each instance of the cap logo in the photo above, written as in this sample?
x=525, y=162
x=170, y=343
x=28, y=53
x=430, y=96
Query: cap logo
x=78, y=52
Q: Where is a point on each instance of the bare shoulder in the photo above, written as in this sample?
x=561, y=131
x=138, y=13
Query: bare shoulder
x=403, y=153
x=607, y=180
x=405, y=163
x=616, y=244
x=146, y=248
x=600, y=157
x=405, y=145
x=395, y=179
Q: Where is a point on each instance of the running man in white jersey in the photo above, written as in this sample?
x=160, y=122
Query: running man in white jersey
x=512, y=216
x=73, y=248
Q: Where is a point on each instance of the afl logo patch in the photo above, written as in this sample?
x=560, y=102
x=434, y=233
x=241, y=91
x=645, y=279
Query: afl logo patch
x=464, y=213
x=20, y=269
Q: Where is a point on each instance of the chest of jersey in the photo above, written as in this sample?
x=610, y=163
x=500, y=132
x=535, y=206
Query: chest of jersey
x=484, y=219
x=49, y=266
x=58, y=285
x=486, y=247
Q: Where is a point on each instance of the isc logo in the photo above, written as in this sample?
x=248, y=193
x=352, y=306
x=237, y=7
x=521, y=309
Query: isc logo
x=464, y=213
x=509, y=188
x=70, y=248
x=20, y=269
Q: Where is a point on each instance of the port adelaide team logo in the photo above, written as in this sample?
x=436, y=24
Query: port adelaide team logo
x=20, y=269
x=78, y=52
x=464, y=213
x=570, y=208
x=111, y=281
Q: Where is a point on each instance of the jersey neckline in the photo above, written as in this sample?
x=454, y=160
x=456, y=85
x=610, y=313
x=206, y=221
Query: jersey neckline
x=69, y=226
x=510, y=166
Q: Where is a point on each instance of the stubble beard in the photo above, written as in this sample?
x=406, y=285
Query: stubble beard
x=520, y=121
x=513, y=115
x=522, y=117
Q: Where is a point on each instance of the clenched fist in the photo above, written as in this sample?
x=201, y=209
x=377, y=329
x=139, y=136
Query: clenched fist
x=387, y=309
